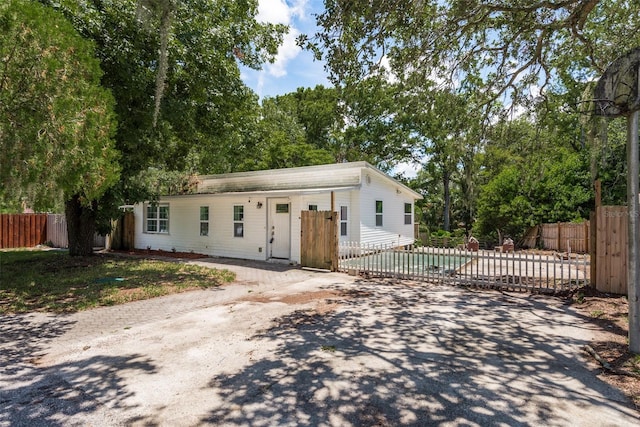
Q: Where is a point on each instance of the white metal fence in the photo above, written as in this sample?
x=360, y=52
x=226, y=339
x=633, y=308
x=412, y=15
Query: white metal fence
x=522, y=270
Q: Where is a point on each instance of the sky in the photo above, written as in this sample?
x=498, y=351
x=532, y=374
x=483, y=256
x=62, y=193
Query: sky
x=293, y=67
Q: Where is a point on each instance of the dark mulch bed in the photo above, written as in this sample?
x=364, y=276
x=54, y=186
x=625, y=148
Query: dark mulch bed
x=160, y=253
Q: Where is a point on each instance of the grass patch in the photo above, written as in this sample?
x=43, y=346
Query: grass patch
x=54, y=281
x=635, y=363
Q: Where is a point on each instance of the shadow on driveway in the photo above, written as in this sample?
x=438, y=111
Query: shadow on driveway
x=408, y=355
x=33, y=395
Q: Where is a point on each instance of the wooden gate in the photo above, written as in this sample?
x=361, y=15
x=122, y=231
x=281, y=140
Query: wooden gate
x=122, y=235
x=319, y=240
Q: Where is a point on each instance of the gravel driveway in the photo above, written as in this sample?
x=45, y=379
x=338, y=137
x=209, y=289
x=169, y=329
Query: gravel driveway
x=308, y=349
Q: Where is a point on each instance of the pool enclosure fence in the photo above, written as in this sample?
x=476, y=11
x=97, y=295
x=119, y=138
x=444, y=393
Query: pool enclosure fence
x=534, y=271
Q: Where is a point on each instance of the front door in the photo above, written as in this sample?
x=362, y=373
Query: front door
x=279, y=228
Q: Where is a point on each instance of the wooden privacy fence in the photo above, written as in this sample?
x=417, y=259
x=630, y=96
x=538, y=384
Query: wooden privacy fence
x=561, y=236
x=522, y=271
x=57, y=233
x=29, y=230
x=22, y=230
x=610, y=249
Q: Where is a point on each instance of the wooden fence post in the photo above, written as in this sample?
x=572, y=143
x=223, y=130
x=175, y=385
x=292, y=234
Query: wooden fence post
x=592, y=247
x=559, y=237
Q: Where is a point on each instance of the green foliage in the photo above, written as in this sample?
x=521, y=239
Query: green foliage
x=539, y=191
x=371, y=131
x=318, y=112
x=444, y=128
x=280, y=140
x=502, y=46
x=201, y=122
x=203, y=89
x=56, y=121
x=325, y=125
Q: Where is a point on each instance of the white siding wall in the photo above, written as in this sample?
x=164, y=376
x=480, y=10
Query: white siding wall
x=393, y=230
x=322, y=200
x=184, y=227
x=253, y=245
x=345, y=198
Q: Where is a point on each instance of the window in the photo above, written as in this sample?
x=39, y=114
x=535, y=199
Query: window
x=238, y=221
x=343, y=220
x=157, y=219
x=204, y=220
x=408, y=213
x=378, y=213
x=313, y=207
x=282, y=208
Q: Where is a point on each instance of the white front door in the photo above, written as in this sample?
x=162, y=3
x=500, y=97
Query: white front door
x=279, y=228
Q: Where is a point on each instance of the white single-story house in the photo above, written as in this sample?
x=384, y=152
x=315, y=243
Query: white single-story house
x=256, y=215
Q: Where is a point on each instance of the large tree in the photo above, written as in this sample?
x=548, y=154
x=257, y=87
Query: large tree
x=445, y=133
x=177, y=110
x=280, y=140
x=56, y=120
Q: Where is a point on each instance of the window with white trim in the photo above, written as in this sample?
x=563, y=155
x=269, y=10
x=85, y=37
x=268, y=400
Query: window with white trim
x=238, y=221
x=343, y=220
x=204, y=220
x=313, y=207
x=378, y=213
x=408, y=213
x=157, y=218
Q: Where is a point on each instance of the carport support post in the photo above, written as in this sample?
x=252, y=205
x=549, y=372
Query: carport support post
x=633, y=272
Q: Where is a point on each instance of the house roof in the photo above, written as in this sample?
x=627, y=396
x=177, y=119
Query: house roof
x=335, y=176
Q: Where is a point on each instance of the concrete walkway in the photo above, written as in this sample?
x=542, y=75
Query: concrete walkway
x=289, y=347
x=259, y=278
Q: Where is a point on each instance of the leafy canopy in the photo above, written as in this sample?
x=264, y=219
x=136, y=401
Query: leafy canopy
x=56, y=120
x=503, y=46
x=201, y=119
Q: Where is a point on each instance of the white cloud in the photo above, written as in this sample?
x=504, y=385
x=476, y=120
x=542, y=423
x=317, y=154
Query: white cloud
x=281, y=11
x=281, y=76
x=274, y=12
x=388, y=72
x=287, y=51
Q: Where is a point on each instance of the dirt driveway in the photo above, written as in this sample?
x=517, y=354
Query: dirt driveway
x=315, y=349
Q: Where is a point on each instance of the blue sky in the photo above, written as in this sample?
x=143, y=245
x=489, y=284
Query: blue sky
x=293, y=67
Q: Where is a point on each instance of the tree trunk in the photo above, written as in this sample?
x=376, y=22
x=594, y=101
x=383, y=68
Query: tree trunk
x=446, y=181
x=81, y=226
